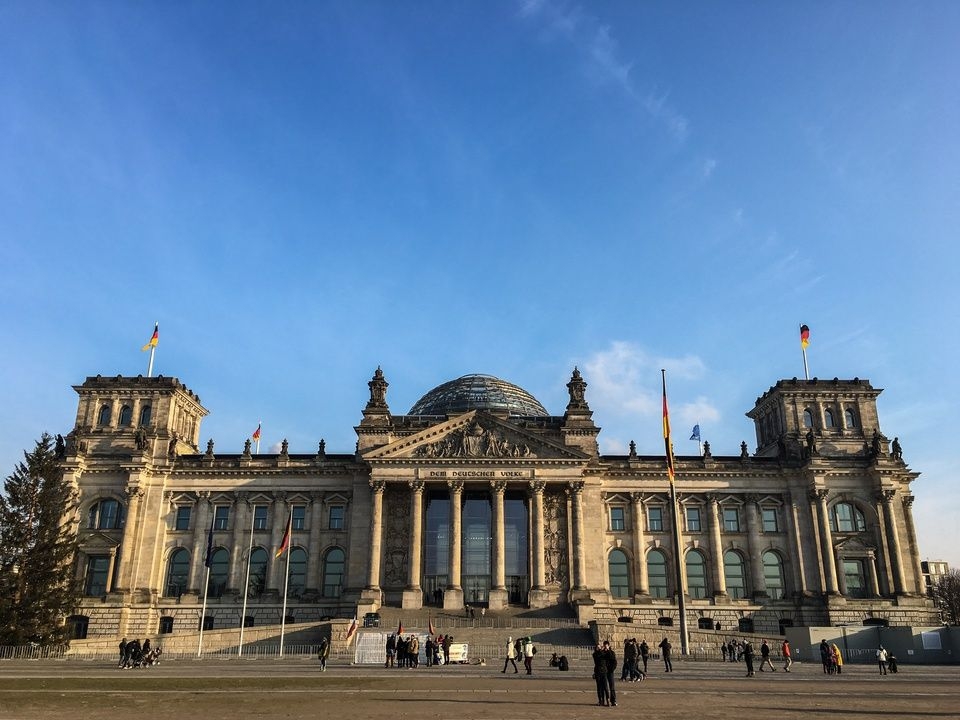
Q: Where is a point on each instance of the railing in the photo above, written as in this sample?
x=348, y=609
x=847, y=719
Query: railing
x=32, y=652
x=479, y=621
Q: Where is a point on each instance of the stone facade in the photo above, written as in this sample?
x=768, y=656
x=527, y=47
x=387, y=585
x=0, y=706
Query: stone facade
x=489, y=507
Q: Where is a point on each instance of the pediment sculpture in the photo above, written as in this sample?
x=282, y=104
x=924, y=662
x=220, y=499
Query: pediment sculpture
x=475, y=441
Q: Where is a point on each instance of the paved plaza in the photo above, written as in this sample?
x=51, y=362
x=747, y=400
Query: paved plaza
x=294, y=688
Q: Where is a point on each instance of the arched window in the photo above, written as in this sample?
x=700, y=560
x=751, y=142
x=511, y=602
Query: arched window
x=126, y=415
x=104, y=417
x=657, y=573
x=258, y=572
x=297, y=581
x=773, y=574
x=219, y=572
x=146, y=413
x=734, y=569
x=619, y=574
x=107, y=514
x=850, y=417
x=828, y=420
x=333, y=566
x=178, y=570
x=845, y=517
x=807, y=419
x=696, y=575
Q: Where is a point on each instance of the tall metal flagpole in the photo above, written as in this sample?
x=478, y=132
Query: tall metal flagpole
x=804, y=341
x=246, y=584
x=203, y=613
x=675, y=520
x=153, y=349
x=286, y=583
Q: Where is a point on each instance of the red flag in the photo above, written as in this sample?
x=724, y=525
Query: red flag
x=286, y=536
x=668, y=444
x=430, y=628
x=352, y=630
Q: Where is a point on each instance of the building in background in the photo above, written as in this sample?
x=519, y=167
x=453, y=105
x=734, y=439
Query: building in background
x=479, y=496
x=932, y=571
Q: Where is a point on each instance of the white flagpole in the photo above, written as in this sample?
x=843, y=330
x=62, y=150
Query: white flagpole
x=246, y=584
x=203, y=613
x=153, y=349
x=806, y=371
x=259, y=433
x=286, y=582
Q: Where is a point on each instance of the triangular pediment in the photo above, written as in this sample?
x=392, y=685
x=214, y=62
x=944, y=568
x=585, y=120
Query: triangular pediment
x=99, y=541
x=475, y=435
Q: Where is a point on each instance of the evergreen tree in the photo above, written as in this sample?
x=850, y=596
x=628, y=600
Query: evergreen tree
x=37, y=548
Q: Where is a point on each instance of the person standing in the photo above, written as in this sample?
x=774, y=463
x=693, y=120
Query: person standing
x=600, y=675
x=826, y=657
x=428, y=650
x=528, y=652
x=665, y=648
x=391, y=650
x=748, y=657
x=123, y=654
x=323, y=653
x=644, y=654
x=837, y=658
x=765, y=657
x=882, y=660
x=511, y=657
x=611, y=665
x=787, y=659
x=629, y=660
x=446, y=649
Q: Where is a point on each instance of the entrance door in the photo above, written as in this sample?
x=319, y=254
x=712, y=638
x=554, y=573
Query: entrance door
x=476, y=545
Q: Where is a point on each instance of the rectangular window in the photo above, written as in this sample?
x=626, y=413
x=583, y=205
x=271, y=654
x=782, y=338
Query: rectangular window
x=655, y=519
x=617, y=521
x=97, y=568
x=260, y=517
x=299, y=513
x=731, y=519
x=770, y=523
x=693, y=519
x=336, y=517
x=183, y=517
x=221, y=517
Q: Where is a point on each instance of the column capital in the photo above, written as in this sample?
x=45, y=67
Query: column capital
x=575, y=486
x=907, y=500
x=378, y=486
x=886, y=495
x=416, y=486
x=637, y=498
x=537, y=486
x=751, y=499
x=135, y=492
x=819, y=495
x=498, y=486
x=456, y=486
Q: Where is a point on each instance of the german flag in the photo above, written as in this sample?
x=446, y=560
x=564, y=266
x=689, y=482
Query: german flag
x=400, y=629
x=256, y=434
x=154, y=339
x=285, y=543
x=667, y=443
x=352, y=630
x=804, y=337
x=430, y=628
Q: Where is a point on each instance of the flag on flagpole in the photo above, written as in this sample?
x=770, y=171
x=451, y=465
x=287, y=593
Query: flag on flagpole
x=668, y=444
x=352, y=630
x=208, y=558
x=400, y=629
x=286, y=536
x=696, y=433
x=804, y=337
x=256, y=434
x=430, y=628
x=154, y=339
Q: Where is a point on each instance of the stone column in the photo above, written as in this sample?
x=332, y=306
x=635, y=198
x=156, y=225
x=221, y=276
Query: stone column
x=499, y=597
x=827, y=558
x=134, y=498
x=716, y=547
x=579, y=562
x=874, y=583
x=639, y=545
x=538, y=594
x=453, y=595
x=201, y=526
x=111, y=568
x=883, y=562
x=376, y=532
x=796, y=546
x=755, y=545
x=413, y=594
x=313, y=542
x=241, y=514
x=896, y=558
x=918, y=586
x=278, y=528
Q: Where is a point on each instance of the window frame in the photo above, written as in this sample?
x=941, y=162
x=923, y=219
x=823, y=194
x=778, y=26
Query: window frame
x=331, y=589
x=620, y=589
x=732, y=525
x=298, y=517
x=221, y=517
x=181, y=520
x=178, y=573
x=261, y=517
x=336, y=517
x=698, y=590
x=739, y=590
x=697, y=524
x=769, y=513
x=618, y=518
x=658, y=589
x=655, y=524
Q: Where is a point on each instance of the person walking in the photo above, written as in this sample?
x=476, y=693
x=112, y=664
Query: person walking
x=787, y=659
x=665, y=648
x=765, y=657
x=528, y=652
x=600, y=675
x=644, y=654
x=511, y=657
x=882, y=660
x=323, y=653
x=748, y=657
x=629, y=660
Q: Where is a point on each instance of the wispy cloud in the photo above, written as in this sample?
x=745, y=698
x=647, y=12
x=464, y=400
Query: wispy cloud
x=603, y=58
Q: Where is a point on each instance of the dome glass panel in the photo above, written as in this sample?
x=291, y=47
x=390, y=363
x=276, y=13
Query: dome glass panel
x=478, y=392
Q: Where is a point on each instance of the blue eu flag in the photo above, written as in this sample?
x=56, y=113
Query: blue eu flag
x=696, y=433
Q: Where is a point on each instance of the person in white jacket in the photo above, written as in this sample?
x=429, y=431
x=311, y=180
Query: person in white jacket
x=510, y=657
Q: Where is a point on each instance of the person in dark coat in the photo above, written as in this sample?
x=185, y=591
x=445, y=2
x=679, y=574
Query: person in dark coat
x=600, y=675
x=611, y=664
x=748, y=657
x=665, y=648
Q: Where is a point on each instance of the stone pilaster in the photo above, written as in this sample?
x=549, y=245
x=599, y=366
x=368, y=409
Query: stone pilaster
x=639, y=545
x=371, y=596
x=828, y=560
x=716, y=547
x=754, y=545
x=453, y=595
x=413, y=594
x=893, y=538
x=499, y=597
x=538, y=594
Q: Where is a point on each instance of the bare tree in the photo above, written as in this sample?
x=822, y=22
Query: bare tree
x=946, y=593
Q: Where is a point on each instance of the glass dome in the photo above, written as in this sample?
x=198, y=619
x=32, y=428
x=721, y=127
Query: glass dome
x=478, y=392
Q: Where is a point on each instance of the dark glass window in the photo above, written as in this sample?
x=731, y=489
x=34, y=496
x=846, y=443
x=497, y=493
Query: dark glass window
x=183, y=517
x=104, y=417
x=693, y=519
x=855, y=578
x=807, y=419
x=78, y=624
x=657, y=573
x=847, y=518
x=655, y=519
x=696, y=574
x=221, y=517
x=851, y=418
x=219, y=572
x=828, y=420
x=333, y=567
x=336, y=517
x=735, y=571
x=96, y=581
x=146, y=413
x=166, y=625
x=773, y=575
x=260, y=517
x=731, y=519
x=106, y=514
x=297, y=581
x=178, y=572
x=770, y=523
x=258, y=572
x=299, y=514
x=617, y=519
x=126, y=415
x=619, y=574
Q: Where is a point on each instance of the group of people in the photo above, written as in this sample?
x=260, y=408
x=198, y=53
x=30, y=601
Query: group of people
x=831, y=658
x=743, y=651
x=134, y=655
x=405, y=651
x=886, y=661
x=520, y=648
x=634, y=653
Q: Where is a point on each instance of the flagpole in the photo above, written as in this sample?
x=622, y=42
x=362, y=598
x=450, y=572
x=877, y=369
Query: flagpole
x=258, y=437
x=153, y=349
x=286, y=584
x=674, y=510
x=246, y=584
x=803, y=349
x=203, y=613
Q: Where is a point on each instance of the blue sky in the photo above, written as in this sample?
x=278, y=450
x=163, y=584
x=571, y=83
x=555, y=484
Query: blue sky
x=299, y=192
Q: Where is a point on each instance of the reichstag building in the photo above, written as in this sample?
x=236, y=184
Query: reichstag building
x=479, y=496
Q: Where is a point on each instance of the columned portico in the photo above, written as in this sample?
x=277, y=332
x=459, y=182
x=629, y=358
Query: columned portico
x=372, y=594
x=538, y=593
x=498, y=597
x=453, y=595
x=413, y=594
